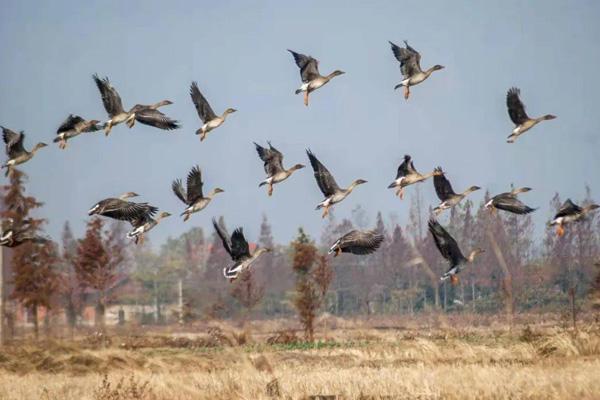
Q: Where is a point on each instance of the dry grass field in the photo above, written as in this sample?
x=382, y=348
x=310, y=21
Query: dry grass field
x=431, y=359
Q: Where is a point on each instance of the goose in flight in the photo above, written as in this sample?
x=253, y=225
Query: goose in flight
x=357, y=242
x=143, y=224
x=410, y=66
x=205, y=112
x=149, y=115
x=239, y=251
x=509, y=202
x=329, y=187
x=15, y=151
x=446, y=194
x=309, y=73
x=407, y=175
x=13, y=235
x=193, y=196
x=450, y=251
x=570, y=212
x=517, y=114
x=73, y=126
x=273, y=164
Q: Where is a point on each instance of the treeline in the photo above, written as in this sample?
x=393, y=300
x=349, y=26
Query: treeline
x=182, y=281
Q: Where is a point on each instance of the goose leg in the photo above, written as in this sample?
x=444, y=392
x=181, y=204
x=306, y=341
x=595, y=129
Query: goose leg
x=62, y=144
x=306, y=98
x=142, y=238
x=401, y=194
x=338, y=251
x=202, y=136
x=186, y=217
x=406, y=92
x=270, y=190
x=325, y=211
x=108, y=128
x=454, y=279
x=560, y=230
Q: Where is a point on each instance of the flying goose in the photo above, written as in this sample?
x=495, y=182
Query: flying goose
x=14, y=236
x=237, y=247
x=516, y=112
x=15, y=151
x=450, y=251
x=143, y=224
x=570, y=212
x=193, y=197
x=407, y=175
x=445, y=193
x=73, y=126
x=205, y=112
x=410, y=66
x=357, y=242
x=149, y=115
x=273, y=164
x=332, y=192
x=112, y=104
x=121, y=209
x=509, y=202
x=309, y=72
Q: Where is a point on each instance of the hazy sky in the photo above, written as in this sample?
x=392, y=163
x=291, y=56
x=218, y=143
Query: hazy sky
x=357, y=125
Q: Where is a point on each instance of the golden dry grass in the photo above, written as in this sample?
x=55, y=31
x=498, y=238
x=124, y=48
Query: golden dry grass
x=349, y=363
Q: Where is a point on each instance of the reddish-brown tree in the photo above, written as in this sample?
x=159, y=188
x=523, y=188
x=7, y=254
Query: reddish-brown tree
x=34, y=277
x=99, y=255
x=71, y=293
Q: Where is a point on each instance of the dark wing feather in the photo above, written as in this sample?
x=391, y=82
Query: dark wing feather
x=273, y=159
x=511, y=204
x=516, y=109
x=179, y=191
x=14, y=142
x=409, y=59
x=127, y=210
x=222, y=232
x=360, y=242
x=445, y=243
x=325, y=180
x=69, y=123
x=442, y=185
x=202, y=107
x=110, y=97
x=568, y=208
x=239, y=245
x=309, y=67
x=156, y=119
x=403, y=169
x=194, y=185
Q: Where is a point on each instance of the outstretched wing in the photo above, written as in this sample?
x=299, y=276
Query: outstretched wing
x=179, y=191
x=325, y=180
x=128, y=210
x=516, y=109
x=442, y=185
x=273, y=159
x=239, y=245
x=309, y=67
x=409, y=58
x=404, y=168
x=156, y=119
x=511, y=204
x=69, y=123
x=202, y=107
x=14, y=142
x=110, y=97
x=445, y=243
x=194, y=185
x=568, y=208
x=222, y=232
x=360, y=242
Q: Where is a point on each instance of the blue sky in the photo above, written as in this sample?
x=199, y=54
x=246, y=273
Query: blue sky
x=357, y=125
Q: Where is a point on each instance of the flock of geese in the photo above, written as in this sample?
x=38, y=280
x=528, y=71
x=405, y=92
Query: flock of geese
x=142, y=215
